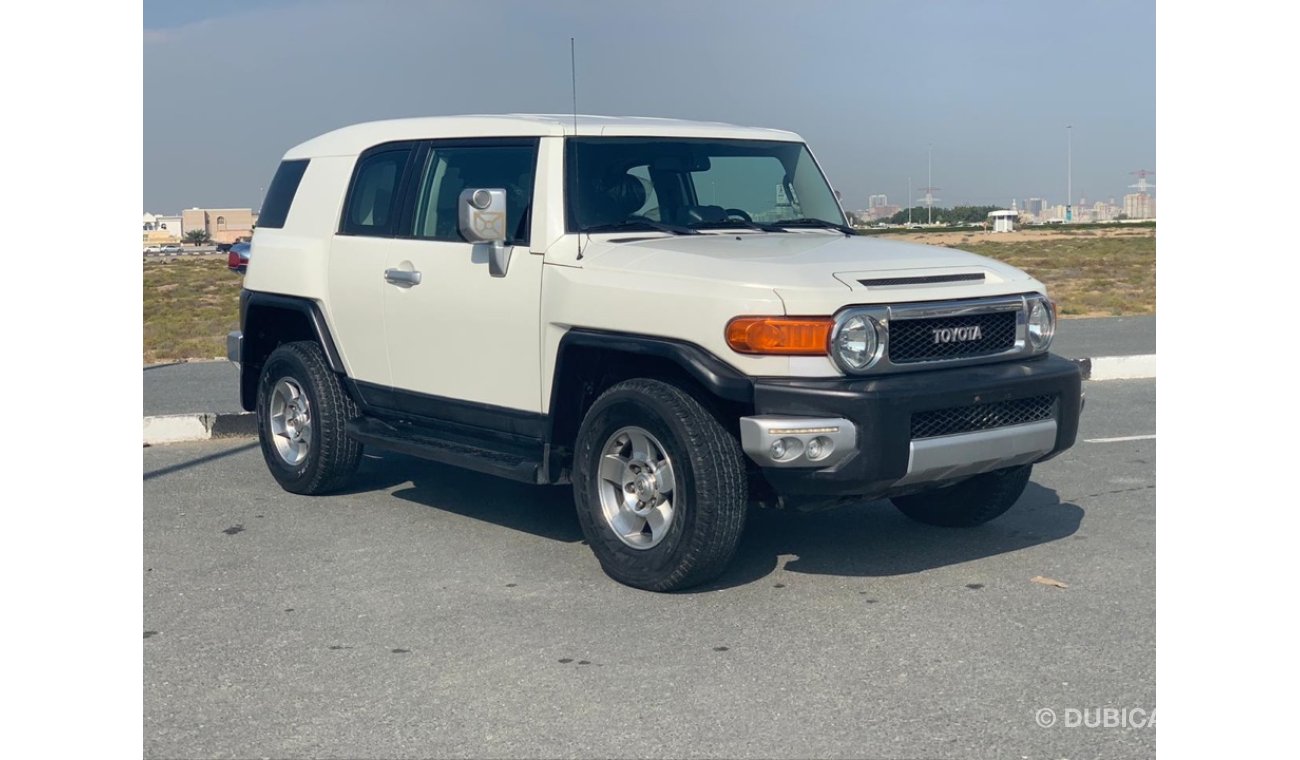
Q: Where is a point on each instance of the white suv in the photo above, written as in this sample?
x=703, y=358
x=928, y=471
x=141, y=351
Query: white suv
x=672, y=316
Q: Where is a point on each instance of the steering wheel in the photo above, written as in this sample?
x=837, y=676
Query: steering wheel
x=730, y=212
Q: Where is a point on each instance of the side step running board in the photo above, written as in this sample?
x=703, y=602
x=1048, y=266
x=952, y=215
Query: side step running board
x=373, y=432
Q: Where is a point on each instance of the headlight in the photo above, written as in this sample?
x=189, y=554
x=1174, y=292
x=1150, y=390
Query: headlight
x=855, y=344
x=1042, y=324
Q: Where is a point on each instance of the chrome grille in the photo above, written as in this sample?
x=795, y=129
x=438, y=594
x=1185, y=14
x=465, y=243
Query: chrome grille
x=913, y=340
x=968, y=419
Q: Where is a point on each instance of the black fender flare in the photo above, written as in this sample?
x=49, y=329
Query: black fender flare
x=249, y=300
x=715, y=375
x=567, y=399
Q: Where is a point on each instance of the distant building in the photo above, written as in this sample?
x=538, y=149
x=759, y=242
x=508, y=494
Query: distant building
x=162, y=229
x=876, y=213
x=1035, y=206
x=876, y=201
x=1139, y=206
x=223, y=225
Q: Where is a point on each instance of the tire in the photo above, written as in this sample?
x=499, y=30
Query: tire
x=705, y=496
x=969, y=503
x=298, y=390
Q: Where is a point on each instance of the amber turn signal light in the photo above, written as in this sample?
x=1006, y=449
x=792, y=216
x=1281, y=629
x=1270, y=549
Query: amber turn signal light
x=789, y=336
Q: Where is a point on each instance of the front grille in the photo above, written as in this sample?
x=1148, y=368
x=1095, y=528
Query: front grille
x=913, y=340
x=968, y=419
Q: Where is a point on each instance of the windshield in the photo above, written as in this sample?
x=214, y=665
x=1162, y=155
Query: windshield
x=668, y=184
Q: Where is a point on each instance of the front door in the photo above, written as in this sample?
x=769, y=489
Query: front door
x=464, y=345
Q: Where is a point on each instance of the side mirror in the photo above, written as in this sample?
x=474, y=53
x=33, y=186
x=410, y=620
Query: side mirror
x=483, y=220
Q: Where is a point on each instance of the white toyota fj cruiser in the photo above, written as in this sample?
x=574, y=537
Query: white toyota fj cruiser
x=672, y=316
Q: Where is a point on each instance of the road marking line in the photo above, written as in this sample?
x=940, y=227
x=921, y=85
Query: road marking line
x=1121, y=439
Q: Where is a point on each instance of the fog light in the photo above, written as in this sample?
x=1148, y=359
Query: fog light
x=786, y=449
x=820, y=448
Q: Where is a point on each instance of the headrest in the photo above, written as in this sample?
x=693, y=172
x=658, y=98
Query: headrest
x=626, y=195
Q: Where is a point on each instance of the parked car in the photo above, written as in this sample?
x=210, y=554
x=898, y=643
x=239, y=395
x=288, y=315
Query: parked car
x=237, y=257
x=171, y=248
x=672, y=317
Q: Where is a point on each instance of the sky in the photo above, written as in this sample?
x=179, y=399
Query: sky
x=989, y=87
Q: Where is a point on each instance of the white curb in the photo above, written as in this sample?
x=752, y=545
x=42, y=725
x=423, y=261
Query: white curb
x=177, y=428
x=1140, y=367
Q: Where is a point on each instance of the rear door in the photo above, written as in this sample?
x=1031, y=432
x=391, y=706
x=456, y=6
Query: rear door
x=359, y=254
x=463, y=345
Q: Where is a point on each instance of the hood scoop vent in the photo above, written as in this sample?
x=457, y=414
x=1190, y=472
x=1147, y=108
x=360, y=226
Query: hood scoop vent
x=933, y=279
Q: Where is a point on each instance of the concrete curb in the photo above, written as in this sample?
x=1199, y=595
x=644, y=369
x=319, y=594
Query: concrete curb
x=178, y=428
x=1141, y=367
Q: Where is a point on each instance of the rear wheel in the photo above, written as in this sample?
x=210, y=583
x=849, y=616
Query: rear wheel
x=971, y=502
x=659, y=486
x=302, y=413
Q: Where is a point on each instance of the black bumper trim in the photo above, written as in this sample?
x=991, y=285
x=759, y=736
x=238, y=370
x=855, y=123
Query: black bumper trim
x=882, y=409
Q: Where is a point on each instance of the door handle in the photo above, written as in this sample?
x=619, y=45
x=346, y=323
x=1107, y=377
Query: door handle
x=401, y=277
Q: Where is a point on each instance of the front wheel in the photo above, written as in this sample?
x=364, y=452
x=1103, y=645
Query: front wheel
x=971, y=502
x=302, y=413
x=659, y=486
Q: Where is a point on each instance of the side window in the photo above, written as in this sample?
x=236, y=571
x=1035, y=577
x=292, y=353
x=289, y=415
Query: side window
x=371, y=202
x=284, y=185
x=453, y=167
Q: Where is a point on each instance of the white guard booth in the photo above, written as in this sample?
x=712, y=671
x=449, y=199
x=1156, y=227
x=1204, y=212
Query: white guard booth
x=1002, y=221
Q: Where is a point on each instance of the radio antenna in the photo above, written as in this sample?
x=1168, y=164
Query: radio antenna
x=573, y=73
x=573, y=202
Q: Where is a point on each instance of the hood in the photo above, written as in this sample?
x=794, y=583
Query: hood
x=813, y=271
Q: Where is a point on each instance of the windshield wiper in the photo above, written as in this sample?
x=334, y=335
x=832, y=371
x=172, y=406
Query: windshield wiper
x=641, y=224
x=809, y=222
x=724, y=223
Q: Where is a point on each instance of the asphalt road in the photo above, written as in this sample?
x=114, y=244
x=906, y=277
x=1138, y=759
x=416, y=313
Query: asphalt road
x=437, y=612
x=1108, y=336
x=191, y=387
x=210, y=386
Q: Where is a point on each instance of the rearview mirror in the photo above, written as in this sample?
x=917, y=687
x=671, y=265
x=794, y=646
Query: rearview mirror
x=692, y=162
x=483, y=220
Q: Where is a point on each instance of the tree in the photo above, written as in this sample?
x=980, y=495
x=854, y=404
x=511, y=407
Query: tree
x=197, y=237
x=957, y=215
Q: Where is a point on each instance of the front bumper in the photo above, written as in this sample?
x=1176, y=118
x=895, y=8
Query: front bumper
x=884, y=459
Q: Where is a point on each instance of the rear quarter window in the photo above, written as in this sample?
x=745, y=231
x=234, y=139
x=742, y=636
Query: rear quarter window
x=284, y=186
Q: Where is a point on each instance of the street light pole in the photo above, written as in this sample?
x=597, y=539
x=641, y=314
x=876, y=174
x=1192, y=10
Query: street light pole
x=1069, y=173
x=929, y=183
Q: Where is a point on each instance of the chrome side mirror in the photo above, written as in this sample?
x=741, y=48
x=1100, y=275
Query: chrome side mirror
x=483, y=220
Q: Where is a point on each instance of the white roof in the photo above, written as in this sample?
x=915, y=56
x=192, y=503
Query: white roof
x=351, y=140
x=1004, y=212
